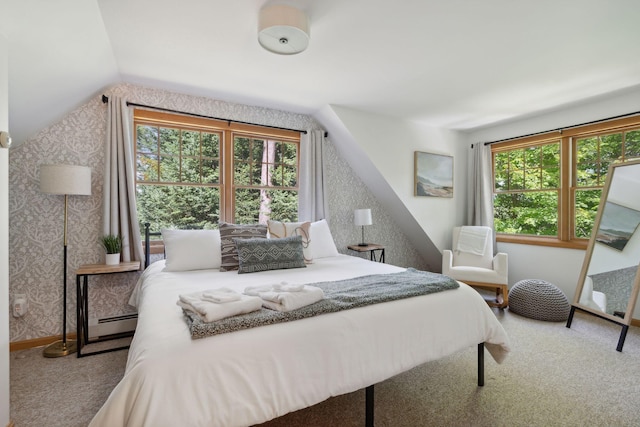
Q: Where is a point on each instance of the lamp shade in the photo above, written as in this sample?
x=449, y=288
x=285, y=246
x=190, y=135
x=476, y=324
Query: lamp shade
x=283, y=29
x=65, y=179
x=362, y=217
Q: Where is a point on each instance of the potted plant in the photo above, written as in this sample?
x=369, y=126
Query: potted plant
x=112, y=245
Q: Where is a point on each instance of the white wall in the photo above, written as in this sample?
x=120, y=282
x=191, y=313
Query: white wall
x=559, y=266
x=380, y=149
x=4, y=238
x=390, y=145
x=555, y=265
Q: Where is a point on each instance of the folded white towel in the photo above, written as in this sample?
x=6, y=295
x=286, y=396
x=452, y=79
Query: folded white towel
x=193, y=299
x=255, y=290
x=211, y=311
x=284, y=287
x=276, y=287
x=221, y=296
x=473, y=240
x=287, y=301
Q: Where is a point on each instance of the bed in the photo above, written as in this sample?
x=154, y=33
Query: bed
x=253, y=375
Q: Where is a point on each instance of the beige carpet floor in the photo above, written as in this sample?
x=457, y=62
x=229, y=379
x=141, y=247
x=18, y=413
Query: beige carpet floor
x=554, y=377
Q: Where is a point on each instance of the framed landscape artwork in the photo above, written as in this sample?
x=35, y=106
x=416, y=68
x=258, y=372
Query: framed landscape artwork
x=433, y=175
x=617, y=225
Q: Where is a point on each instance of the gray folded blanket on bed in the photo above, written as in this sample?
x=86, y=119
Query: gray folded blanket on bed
x=339, y=295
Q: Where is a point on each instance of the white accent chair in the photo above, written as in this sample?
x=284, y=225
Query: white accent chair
x=471, y=261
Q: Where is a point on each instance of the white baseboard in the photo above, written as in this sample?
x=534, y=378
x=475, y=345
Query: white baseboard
x=112, y=325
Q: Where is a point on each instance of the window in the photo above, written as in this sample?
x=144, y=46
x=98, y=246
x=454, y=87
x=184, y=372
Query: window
x=547, y=187
x=527, y=189
x=265, y=177
x=192, y=172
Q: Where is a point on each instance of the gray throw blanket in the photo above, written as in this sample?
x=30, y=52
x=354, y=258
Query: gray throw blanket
x=338, y=295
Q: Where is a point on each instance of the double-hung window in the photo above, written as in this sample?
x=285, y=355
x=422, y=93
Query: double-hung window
x=547, y=187
x=193, y=172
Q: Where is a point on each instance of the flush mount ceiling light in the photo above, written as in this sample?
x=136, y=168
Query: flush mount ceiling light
x=283, y=29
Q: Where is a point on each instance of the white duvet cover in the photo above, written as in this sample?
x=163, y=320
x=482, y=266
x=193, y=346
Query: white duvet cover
x=251, y=376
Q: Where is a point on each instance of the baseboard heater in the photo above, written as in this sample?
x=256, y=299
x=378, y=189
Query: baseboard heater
x=112, y=325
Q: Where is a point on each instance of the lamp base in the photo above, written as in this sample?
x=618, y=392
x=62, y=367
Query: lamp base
x=59, y=349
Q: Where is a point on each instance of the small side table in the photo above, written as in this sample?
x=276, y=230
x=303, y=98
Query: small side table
x=82, y=302
x=371, y=248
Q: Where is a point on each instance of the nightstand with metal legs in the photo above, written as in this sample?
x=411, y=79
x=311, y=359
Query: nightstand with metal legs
x=82, y=302
x=372, y=248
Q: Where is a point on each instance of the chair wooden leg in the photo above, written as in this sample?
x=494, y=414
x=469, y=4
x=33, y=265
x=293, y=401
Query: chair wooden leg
x=501, y=299
x=505, y=291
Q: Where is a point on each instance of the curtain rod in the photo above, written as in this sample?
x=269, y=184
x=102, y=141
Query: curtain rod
x=105, y=99
x=565, y=127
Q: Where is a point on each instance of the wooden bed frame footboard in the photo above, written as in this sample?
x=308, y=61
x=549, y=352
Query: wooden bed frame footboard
x=369, y=393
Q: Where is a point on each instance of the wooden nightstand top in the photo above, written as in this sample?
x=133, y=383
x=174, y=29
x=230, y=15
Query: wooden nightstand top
x=89, y=269
x=369, y=247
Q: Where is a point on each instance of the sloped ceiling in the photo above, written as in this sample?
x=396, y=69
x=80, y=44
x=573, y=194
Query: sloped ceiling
x=457, y=64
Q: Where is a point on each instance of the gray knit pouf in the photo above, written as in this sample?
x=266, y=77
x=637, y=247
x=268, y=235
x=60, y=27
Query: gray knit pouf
x=540, y=300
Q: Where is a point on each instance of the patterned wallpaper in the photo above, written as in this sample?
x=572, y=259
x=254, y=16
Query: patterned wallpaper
x=36, y=219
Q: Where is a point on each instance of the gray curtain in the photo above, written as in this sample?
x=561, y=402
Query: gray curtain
x=480, y=193
x=312, y=201
x=119, y=193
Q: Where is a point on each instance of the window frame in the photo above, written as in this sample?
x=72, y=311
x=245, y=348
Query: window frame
x=568, y=172
x=227, y=131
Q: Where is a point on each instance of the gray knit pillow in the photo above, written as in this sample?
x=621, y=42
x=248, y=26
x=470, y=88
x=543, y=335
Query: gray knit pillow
x=270, y=254
x=229, y=232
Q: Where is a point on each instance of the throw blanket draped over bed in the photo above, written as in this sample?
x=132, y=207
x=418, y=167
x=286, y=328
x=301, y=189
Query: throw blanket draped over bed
x=339, y=295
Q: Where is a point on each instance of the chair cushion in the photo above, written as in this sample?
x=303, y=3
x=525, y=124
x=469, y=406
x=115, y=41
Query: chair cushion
x=476, y=274
x=540, y=300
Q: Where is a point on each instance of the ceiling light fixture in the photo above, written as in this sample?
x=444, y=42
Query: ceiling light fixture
x=283, y=29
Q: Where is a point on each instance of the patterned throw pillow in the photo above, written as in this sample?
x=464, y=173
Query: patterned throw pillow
x=269, y=254
x=279, y=229
x=229, y=232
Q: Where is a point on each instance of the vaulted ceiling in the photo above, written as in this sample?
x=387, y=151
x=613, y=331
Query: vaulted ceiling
x=457, y=64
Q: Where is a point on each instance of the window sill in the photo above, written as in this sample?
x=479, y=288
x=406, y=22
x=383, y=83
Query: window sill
x=543, y=241
x=155, y=246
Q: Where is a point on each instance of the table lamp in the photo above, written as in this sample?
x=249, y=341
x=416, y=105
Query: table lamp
x=361, y=218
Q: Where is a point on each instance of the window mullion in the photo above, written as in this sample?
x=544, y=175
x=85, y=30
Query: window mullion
x=158, y=157
x=226, y=186
x=180, y=175
x=200, y=159
x=565, y=223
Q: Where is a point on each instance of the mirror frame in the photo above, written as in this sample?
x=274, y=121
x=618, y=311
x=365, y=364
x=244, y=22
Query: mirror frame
x=626, y=321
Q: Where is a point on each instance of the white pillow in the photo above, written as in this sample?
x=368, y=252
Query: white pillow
x=322, y=244
x=191, y=249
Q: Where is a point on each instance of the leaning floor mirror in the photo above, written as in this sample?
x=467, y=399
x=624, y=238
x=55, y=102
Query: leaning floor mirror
x=609, y=279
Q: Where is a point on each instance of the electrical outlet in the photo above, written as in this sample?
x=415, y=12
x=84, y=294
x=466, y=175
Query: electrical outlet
x=20, y=305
